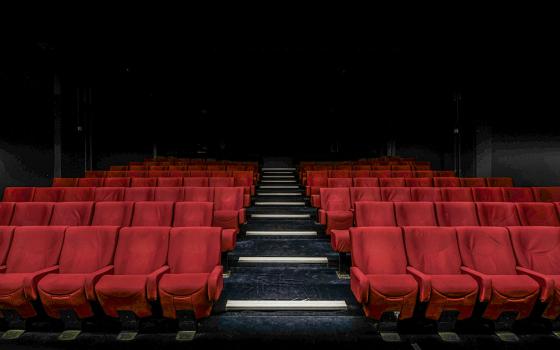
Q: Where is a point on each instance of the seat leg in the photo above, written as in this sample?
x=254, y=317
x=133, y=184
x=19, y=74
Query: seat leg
x=129, y=324
x=187, y=325
x=387, y=326
x=504, y=325
x=446, y=326
x=72, y=325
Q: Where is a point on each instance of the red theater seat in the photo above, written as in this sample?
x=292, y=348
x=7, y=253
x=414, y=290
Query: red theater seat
x=378, y=276
x=499, y=182
x=497, y=214
x=216, y=167
x=152, y=214
x=116, y=182
x=195, y=182
x=487, y=256
x=198, y=173
x=220, y=182
x=78, y=194
x=112, y=214
x=72, y=214
x=179, y=173
x=32, y=214
x=198, y=194
x=158, y=168
x=188, y=214
x=444, y=173
x=90, y=182
x=6, y=213
x=137, y=168
x=139, y=263
x=33, y=254
x=109, y=174
x=18, y=194
x=143, y=182
x=518, y=194
x=380, y=173
x=402, y=174
x=364, y=194
x=118, y=167
x=366, y=182
x=447, y=182
x=138, y=194
x=65, y=182
x=424, y=173
x=546, y=194
x=392, y=182
x=456, y=194
x=415, y=214
x=456, y=214
x=375, y=214
x=194, y=281
x=6, y=235
x=335, y=210
x=425, y=194
x=435, y=262
x=169, y=181
x=87, y=255
x=48, y=194
x=170, y=194
x=473, y=182
x=419, y=182
x=110, y=194
x=537, y=214
x=339, y=182
x=219, y=173
x=340, y=174
x=487, y=194
x=135, y=174
x=159, y=173
x=228, y=207
x=360, y=173
x=400, y=168
x=395, y=194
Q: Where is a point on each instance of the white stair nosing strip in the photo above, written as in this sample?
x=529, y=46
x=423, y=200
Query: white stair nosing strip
x=279, y=169
x=279, y=305
x=279, y=181
x=278, y=172
x=281, y=233
x=281, y=216
x=279, y=176
x=279, y=203
x=268, y=186
x=278, y=194
x=284, y=259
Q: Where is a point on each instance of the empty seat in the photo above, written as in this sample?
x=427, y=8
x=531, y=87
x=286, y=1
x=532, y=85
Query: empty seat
x=546, y=194
x=487, y=255
x=518, y=194
x=497, y=214
x=198, y=173
x=198, y=194
x=139, y=262
x=87, y=254
x=444, y=173
x=419, y=182
x=137, y=194
x=537, y=214
x=158, y=173
x=335, y=210
x=456, y=214
x=195, y=182
x=32, y=214
x=65, y=182
x=116, y=182
x=111, y=194
x=375, y=214
x=447, y=182
x=158, y=167
x=33, y=254
x=219, y=173
x=487, y=194
x=90, y=182
x=94, y=173
x=316, y=180
x=392, y=182
x=456, y=194
x=220, y=182
x=137, y=167
x=340, y=174
x=48, y=194
x=6, y=213
x=169, y=181
x=118, y=167
x=143, y=182
x=152, y=214
x=425, y=194
x=473, y=182
x=400, y=167
x=364, y=194
x=424, y=173
x=188, y=214
x=378, y=274
x=395, y=194
x=380, y=173
x=112, y=214
x=6, y=235
x=499, y=182
x=194, y=281
x=339, y=182
x=415, y=214
x=179, y=173
x=228, y=207
x=72, y=214
x=366, y=182
x=434, y=260
x=402, y=174
x=137, y=173
x=215, y=167
x=360, y=173
x=109, y=174
x=78, y=194
x=18, y=194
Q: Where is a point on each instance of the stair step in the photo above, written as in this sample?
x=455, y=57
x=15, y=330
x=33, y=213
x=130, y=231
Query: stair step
x=284, y=259
x=281, y=233
x=279, y=194
x=278, y=169
x=280, y=186
x=279, y=181
x=279, y=172
x=285, y=305
x=281, y=216
x=278, y=176
x=279, y=203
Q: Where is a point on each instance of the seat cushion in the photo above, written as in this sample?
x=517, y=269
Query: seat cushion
x=11, y=282
x=62, y=284
x=514, y=286
x=122, y=286
x=392, y=285
x=183, y=283
x=453, y=286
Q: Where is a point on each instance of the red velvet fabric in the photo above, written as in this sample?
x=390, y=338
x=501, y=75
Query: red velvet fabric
x=340, y=241
x=395, y=194
x=158, y=173
x=137, y=194
x=424, y=173
x=152, y=214
x=473, y=182
x=392, y=182
x=90, y=182
x=6, y=213
x=32, y=214
x=456, y=214
x=18, y=194
x=415, y=214
x=425, y=194
x=358, y=194
x=112, y=213
x=447, y=182
x=116, y=182
x=195, y=181
x=546, y=194
x=48, y=194
x=457, y=194
x=106, y=194
x=72, y=214
x=198, y=194
x=65, y=182
x=193, y=214
x=339, y=182
x=366, y=182
x=6, y=234
x=136, y=173
x=220, y=182
x=78, y=194
x=375, y=214
x=419, y=182
x=143, y=182
x=497, y=214
x=537, y=214
x=487, y=194
x=171, y=194
x=169, y=181
x=499, y=182
x=518, y=194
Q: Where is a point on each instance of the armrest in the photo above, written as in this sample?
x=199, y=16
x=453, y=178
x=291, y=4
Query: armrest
x=546, y=283
x=215, y=283
x=359, y=285
x=242, y=216
x=2, y=268
x=30, y=282
x=484, y=282
x=307, y=190
x=339, y=220
x=322, y=214
x=316, y=200
x=93, y=278
x=152, y=282
x=424, y=283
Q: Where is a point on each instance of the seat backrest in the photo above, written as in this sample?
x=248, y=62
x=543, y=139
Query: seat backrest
x=375, y=214
x=546, y=194
x=158, y=173
x=193, y=214
x=6, y=212
x=118, y=167
x=487, y=194
x=487, y=250
x=473, y=182
x=243, y=178
x=424, y=173
x=392, y=182
x=456, y=194
x=537, y=248
x=444, y=173
x=395, y=194
x=415, y=214
x=48, y=194
x=340, y=182
x=72, y=214
x=152, y=214
x=456, y=214
x=220, y=182
x=65, y=182
x=110, y=194
x=112, y=213
x=137, y=194
x=169, y=181
x=216, y=167
x=195, y=182
x=364, y=194
x=499, y=182
x=118, y=174
x=198, y=173
x=18, y=194
x=137, y=174
x=405, y=174
x=141, y=250
x=87, y=249
x=360, y=173
x=137, y=168
x=198, y=194
x=194, y=249
x=228, y=198
x=447, y=182
x=497, y=214
x=335, y=199
x=425, y=194
x=380, y=173
x=433, y=250
x=179, y=173
x=378, y=250
x=366, y=182
x=34, y=248
x=6, y=235
x=143, y=182
x=537, y=214
x=90, y=182
x=32, y=214
x=116, y=182
x=171, y=194
x=219, y=173
x=400, y=167
x=340, y=174
x=419, y=182
x=518, y=194
x=78, y=194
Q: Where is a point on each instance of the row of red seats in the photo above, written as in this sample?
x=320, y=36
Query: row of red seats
x=124, y=269
x=225, y=168
x=125, y=213
x=319, y=178
x=363, y=165
x=435, y=214
x=450, y=268
x=245, y=177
